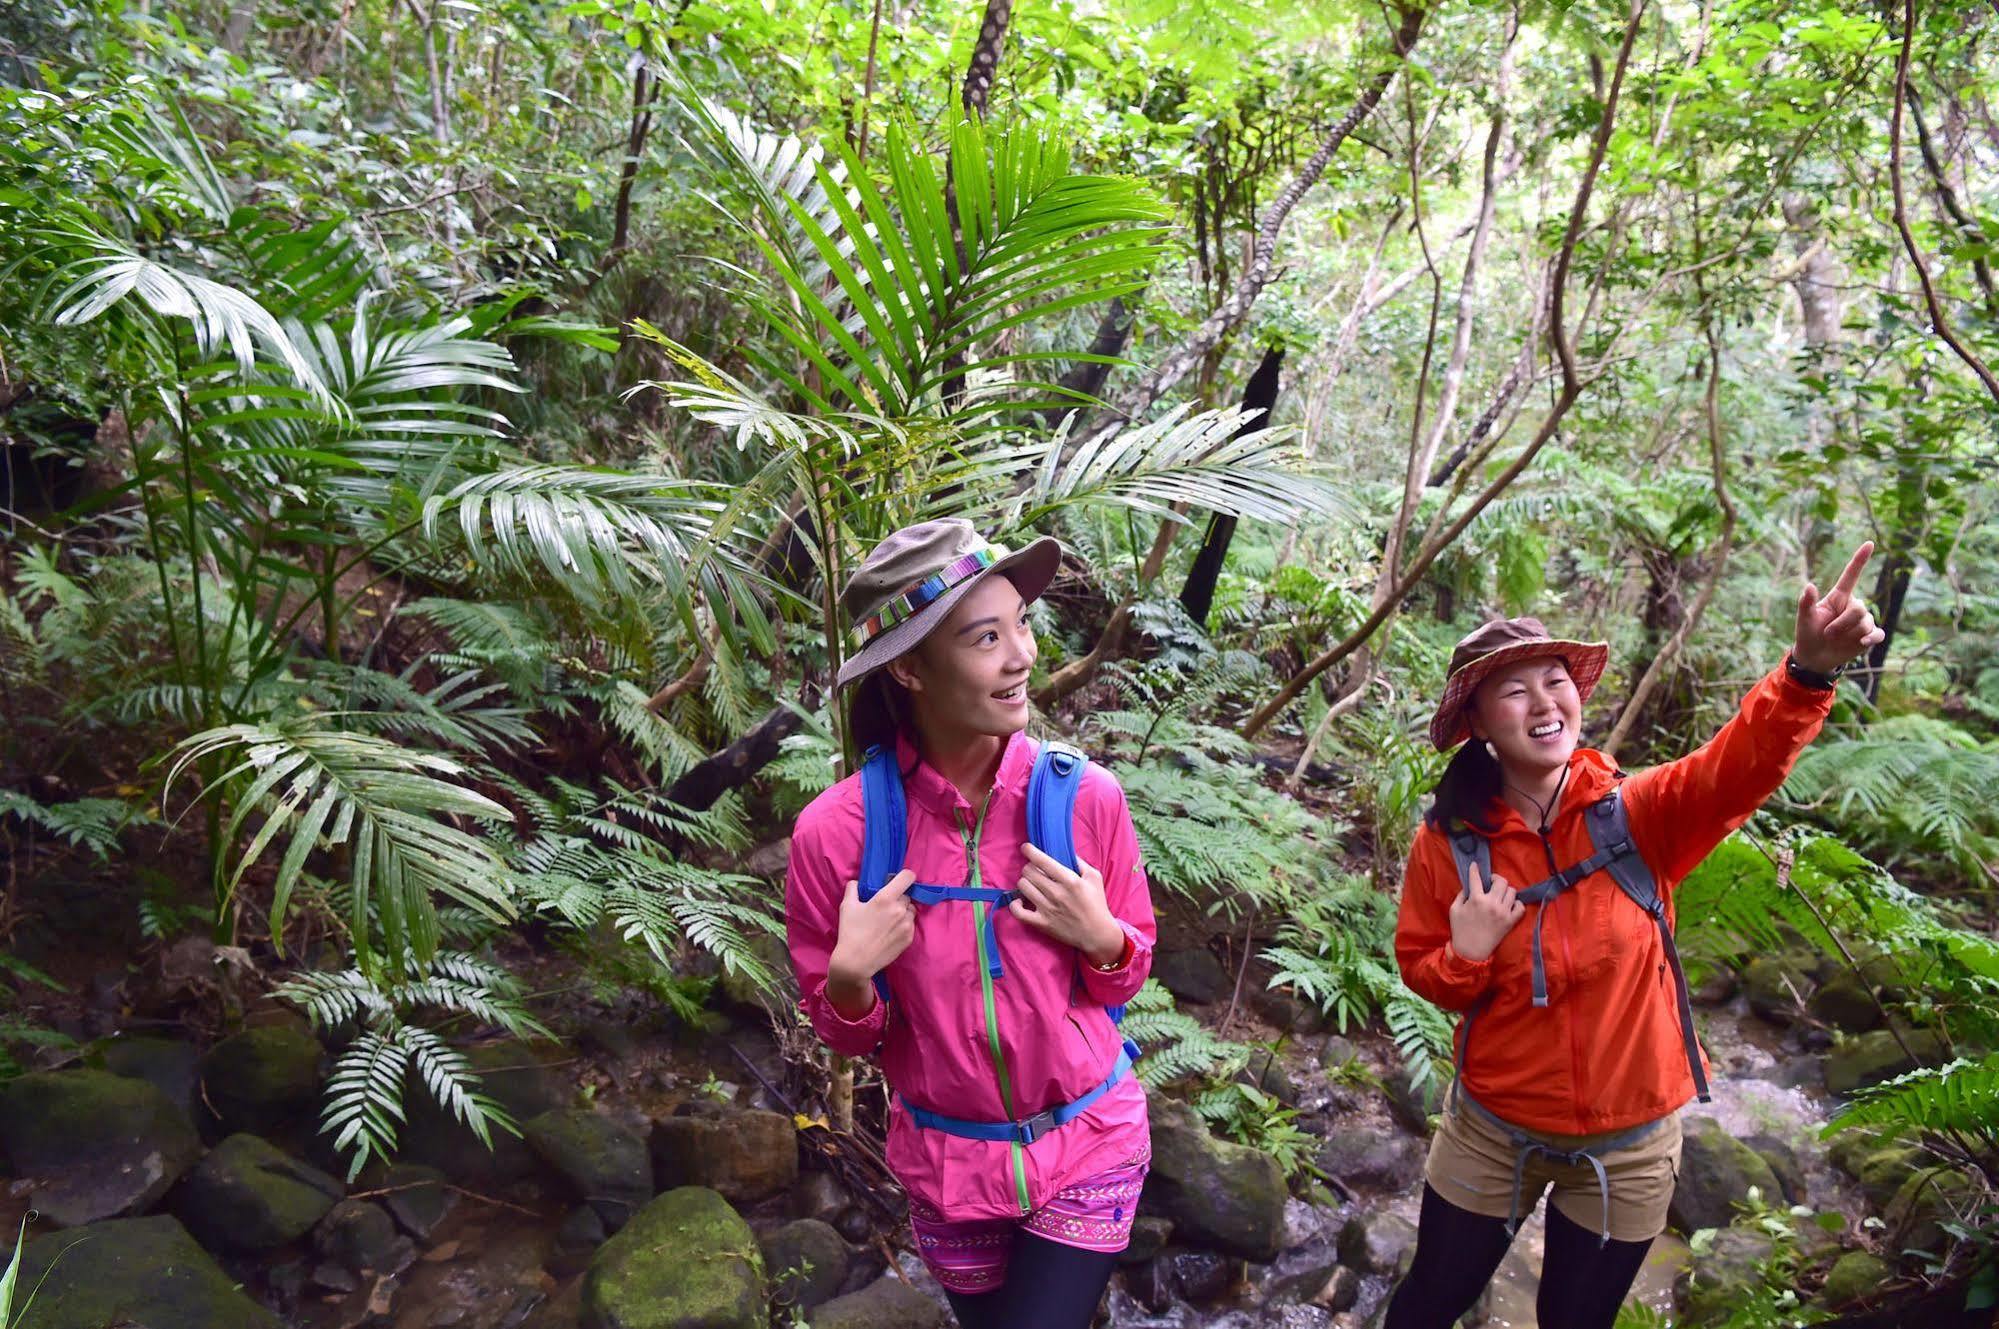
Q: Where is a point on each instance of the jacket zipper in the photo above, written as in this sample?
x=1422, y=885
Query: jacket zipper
x=979, y=907
x=1569, y=962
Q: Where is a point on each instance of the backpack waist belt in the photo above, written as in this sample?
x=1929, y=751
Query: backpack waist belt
x=1020, y=1132
x=1526, y=1145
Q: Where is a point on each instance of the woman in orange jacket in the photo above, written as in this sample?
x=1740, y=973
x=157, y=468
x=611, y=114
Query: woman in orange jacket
x=1583, y=1051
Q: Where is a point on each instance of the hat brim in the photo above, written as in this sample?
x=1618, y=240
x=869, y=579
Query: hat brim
x=1030, y=569
x=1586, y=661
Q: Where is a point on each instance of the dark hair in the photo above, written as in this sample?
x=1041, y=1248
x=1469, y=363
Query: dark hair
x=1469, y=785
x=878, y=709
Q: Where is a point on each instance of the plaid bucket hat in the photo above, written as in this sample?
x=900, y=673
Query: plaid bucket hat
x=910, y=582
x=1501, y=641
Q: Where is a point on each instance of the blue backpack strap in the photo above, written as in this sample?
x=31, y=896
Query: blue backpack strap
x=1609, y=824
x=1051, y=801
x=1051, y=819
x=885, y=837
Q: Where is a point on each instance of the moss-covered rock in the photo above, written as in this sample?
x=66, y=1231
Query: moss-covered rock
x=1882, y=1170
x=1845, y=1003
x=1716, y=1171
x=1722, y=1276
x=263, y=1079
x=1226, y=1197
x=685, y=1261
x=169, y=1065
x=1776, y=986
x=1855, y=1275
x=1926, y=1199
x=598, y=1161
x=248, y=1195
x=1868, y=1059
x=132, y=1271
x=96, y=1145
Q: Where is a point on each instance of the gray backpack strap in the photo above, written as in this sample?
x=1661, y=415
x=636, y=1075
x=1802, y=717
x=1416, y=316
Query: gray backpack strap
x=1610, y=834
x=1469, y=847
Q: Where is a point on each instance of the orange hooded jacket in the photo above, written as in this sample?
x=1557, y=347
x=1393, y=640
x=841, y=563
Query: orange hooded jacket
x=1605, y=1053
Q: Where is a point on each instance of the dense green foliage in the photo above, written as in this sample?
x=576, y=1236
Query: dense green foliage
x=434, y=431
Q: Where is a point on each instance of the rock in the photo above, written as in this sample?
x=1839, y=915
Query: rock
x=1777, y=984
x=599, y=1162
x=806, y=1261
x=1868, y=1059
x=1341, y=1291
x=1927, y=1199
x=576, y=1241
x=1881, y=1171
x=1296, y=1317
x=1722, y=1277
x=96, y=1145
x=357, y=1236
x=1412, y=1107
x=416, y=1196
x=1297, y=1274
x=1152, y=1282
x=1125, y=1312
x=745, y=1155
x=1201, y=1275
x=262, y=1079
x=853, y=1224
x=1845, y=1004
x=1368, y=1156
x=1716, y=1170
x=685, y=1261
x=1854, y=1275
x=886, y=1303
x=818, y=1195
x=132, y=1271
x=1377, y=1242
x=1784, y=1163
x=512, y=1073
x=1268, y=1074
x=1149, y=1235
x=1339, y=1054
x=1712, y=987
x=1194, y=975
x=1287, y=1012
x=1223, y=1196
x=1305, y=1224
x=248, y=1195
x=169, y=1065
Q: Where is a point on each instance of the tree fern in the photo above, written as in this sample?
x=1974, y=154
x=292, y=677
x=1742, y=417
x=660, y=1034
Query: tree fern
x=1176, y=1045
x=1905, y=781
x=364, y=1095
x=1958, y=1101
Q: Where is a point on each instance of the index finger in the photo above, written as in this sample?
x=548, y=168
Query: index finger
x=1850, y=578
x=1041, y=859
x=896, y=886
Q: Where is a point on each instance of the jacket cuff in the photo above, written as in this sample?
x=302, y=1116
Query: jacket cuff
x=848, y=1037
x=1116, y=986
x=1457, y=971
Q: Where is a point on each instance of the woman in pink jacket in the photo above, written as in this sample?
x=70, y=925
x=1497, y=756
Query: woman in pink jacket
x=1016, y=1127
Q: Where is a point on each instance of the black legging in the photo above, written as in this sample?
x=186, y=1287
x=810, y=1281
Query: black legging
x=1048, y=1286
x=1583, y=1282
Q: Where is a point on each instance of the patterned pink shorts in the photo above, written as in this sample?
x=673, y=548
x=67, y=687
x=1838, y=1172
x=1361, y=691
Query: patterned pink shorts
x=970, y=1255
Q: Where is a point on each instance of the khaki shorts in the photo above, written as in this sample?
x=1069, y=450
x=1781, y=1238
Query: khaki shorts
x=1471, y=1165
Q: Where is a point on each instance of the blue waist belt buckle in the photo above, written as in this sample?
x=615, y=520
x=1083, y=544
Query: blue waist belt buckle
x=1022, y=1132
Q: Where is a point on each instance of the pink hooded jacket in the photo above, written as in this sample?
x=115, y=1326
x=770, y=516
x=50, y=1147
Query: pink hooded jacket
x=950, y=1040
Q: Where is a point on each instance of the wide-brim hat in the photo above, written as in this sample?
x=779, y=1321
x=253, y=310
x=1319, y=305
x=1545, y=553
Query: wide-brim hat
x=908, y=585
x=1497, y=643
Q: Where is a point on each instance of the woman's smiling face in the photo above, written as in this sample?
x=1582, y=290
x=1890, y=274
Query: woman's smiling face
x=1530, y=712
x=969, y=677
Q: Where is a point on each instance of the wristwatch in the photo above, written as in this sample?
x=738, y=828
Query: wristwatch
x=1811, y=678
x=1123, y=958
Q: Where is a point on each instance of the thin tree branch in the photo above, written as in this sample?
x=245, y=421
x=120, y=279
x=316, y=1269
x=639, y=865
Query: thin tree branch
x=1571, y=389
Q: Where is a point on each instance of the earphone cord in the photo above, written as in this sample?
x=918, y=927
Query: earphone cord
x=1552, y=803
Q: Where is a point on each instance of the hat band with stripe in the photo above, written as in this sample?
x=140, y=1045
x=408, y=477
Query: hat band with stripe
x=901, y=608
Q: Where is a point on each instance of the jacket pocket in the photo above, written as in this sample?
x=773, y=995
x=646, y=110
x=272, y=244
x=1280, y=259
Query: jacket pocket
x=1089, y=1054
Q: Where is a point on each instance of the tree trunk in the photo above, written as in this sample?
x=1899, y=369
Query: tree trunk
x=1259, y=401
x=735, y=765
x=1086, y=377
x=1816, y=277
x=1891, y=589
